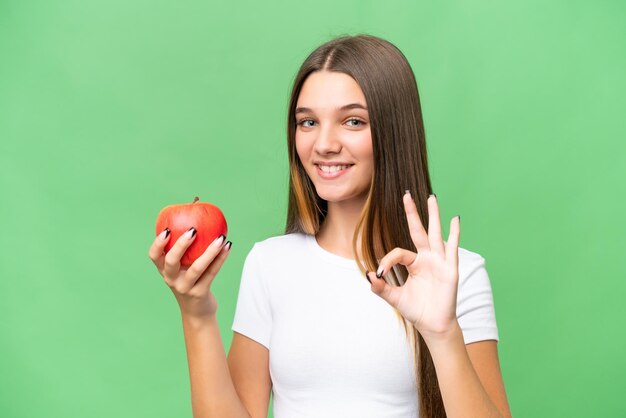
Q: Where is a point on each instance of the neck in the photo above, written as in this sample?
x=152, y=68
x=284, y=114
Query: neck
x=336, y=233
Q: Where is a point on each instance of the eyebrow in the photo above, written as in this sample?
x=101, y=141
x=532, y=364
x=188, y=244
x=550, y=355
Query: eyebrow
x=345, y=107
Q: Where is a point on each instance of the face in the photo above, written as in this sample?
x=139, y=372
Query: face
x=333, y=137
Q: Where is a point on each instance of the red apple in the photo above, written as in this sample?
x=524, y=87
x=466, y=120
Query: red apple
x=205, y=217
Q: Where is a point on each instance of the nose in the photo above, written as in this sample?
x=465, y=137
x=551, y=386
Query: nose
x=327, y=141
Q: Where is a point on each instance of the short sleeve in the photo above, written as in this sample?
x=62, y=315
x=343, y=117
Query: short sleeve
x=475, y=308
x=253, y=314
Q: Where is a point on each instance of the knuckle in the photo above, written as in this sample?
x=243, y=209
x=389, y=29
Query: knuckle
x=168, y=264
x=215, y=268
x=180, y=288
x=170, y=259
x=193, y=271
x=195, y=292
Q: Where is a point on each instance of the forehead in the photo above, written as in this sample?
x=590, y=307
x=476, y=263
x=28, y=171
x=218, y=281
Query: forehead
x=326, y=89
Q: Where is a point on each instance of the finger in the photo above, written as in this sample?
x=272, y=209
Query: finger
x=173, y=256
x=452, y=245
x=204, y=282
x=434, y=226
x=380, y=287
x=416, y=229
x=395, y=256
x=198, y=267
x=156, y=253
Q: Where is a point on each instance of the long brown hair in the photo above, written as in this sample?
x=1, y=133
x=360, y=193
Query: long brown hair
x=400, y=163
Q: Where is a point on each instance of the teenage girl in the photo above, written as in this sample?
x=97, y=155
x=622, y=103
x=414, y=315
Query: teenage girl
x=360, y=309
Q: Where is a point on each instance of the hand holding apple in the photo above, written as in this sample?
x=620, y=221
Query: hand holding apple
x=206, y=218
x=191, y=286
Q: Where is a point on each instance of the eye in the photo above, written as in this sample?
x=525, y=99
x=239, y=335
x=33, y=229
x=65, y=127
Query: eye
x=356, y=122
x=305, y=123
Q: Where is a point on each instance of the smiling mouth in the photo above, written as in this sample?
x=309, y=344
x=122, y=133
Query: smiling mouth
x=333, y=168
x=329, y=172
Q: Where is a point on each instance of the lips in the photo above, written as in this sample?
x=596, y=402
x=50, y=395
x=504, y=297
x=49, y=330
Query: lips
x=333, y=168
x=332, y=171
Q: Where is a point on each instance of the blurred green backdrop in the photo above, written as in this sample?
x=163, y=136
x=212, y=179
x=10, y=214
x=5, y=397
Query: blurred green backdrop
x=111, y=110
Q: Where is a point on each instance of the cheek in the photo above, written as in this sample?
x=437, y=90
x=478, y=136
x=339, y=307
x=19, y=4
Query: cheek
x=362, y=146
x=303, y=148
x=365, y=151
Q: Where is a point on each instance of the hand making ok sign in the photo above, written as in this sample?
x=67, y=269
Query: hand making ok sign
x=428, y=297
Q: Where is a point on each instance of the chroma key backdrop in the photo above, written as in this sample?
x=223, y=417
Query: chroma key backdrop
x=112, y=110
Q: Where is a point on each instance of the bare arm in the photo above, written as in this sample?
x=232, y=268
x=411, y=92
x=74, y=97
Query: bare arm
x=469, y=377
x=213, y=392
x=249, y=367
x=484, y=358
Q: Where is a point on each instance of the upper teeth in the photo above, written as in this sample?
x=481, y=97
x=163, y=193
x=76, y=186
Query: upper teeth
x=332, y=168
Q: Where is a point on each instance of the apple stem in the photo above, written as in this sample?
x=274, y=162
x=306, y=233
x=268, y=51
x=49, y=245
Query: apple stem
x=195, y=199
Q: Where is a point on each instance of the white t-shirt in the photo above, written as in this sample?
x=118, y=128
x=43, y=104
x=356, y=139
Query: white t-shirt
x=336, y=349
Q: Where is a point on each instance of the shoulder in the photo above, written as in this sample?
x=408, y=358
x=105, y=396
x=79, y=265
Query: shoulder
x=280, y=247
x=283, y=243
x=471, y=265
x=469, y=258
x=475, y=305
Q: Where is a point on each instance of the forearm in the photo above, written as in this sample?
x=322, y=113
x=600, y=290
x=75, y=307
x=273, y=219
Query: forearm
x=462, y=392
x=212, y=391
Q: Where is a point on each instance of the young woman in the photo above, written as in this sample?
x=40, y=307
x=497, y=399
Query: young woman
x=417, y=338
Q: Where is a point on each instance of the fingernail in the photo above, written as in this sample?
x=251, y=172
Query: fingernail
x=433, y=195
x=407, y=192
x=368, y=279
x=166, y=233
x=379, y=272
x=228, y=245
x=190, y=232
x=220, y=239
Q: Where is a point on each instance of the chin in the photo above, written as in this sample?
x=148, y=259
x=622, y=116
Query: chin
x=329, y=196
x=338, y=196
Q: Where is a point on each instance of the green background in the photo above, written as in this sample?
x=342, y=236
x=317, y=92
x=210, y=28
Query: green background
x=111, y=110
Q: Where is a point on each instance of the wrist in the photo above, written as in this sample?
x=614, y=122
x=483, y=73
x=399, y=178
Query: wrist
x=448, y=337
x=194, y=322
